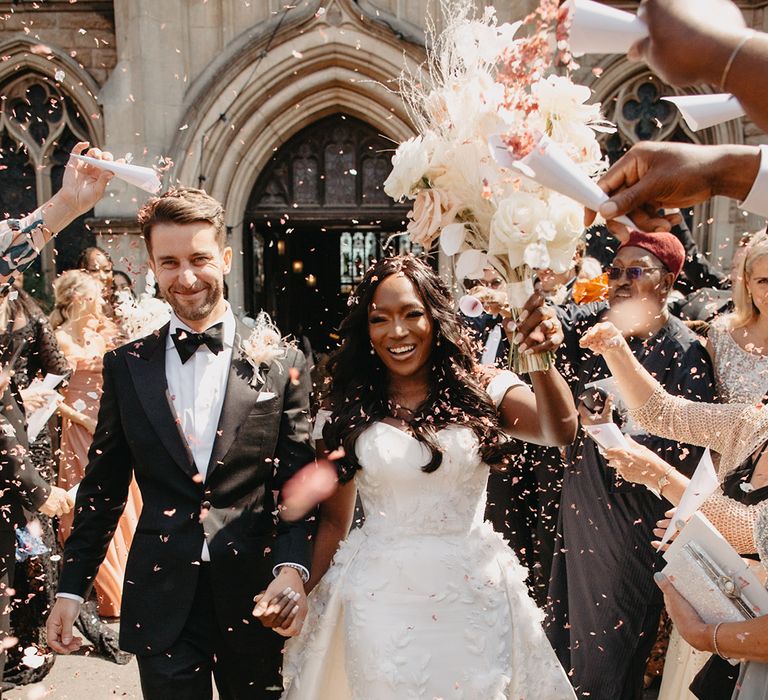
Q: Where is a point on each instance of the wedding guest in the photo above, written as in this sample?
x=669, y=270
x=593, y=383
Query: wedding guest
x=22, y=489
x=486, y=328
x=604, y=606
x=738, y=432
x=523, y=498
x=423, y=600
x=28, y=340
x=738, y=346
x=21, y=240
x=741, y=640
x=122, y=283
x=85, y=334
x=97, y=263
x=738, y=342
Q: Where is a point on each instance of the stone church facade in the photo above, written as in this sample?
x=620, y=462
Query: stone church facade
x=287, y=113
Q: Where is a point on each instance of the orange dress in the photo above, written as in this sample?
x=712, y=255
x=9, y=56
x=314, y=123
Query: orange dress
x=83, y=393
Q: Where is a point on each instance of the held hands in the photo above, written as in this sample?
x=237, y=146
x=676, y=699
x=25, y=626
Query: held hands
x=537, y=330
x=603, y=338
x=58, y=503
x=59, y=626
x=283, y=606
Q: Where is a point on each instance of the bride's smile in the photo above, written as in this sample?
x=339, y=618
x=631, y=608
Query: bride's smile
x=400, y=328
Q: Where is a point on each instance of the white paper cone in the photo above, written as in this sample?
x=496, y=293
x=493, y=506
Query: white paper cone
x=73, y=491
x=703, y=111
x=471, y=264
x=137, y=175
x=452, y=238
x=598, y=28
x=470, y=306
x=518, y=292
x=702, y=485
x=549, y=166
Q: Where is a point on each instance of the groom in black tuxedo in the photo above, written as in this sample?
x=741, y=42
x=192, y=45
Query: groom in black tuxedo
x=211, y=427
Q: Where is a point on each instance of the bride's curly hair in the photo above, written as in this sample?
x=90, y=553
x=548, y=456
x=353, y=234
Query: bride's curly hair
x=358, y=388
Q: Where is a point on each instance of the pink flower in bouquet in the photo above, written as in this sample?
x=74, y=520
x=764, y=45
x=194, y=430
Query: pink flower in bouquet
x=432, y=210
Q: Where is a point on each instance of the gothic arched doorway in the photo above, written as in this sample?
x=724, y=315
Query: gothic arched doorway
x=316, y=218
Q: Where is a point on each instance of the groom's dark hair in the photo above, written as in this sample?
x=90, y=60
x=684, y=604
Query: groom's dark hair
x=182, y=205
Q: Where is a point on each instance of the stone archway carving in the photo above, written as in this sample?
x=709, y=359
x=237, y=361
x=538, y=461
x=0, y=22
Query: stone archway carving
x=23, y=56
x=48, y=104
x=335, y=60
x=716, y=220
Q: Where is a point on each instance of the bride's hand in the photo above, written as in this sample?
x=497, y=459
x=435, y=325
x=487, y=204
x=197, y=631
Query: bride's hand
x=602, y=338
x=283, y=606
x=537, y=330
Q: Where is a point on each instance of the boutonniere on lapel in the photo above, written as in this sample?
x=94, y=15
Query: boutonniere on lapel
x=263, y=346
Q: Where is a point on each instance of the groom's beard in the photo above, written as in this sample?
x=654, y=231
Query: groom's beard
x=194, y=310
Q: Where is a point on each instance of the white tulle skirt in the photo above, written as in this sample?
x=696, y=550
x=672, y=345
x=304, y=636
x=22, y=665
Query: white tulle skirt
x=402, y=615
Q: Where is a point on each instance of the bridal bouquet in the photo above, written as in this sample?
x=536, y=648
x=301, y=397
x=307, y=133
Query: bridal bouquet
x=501, y=143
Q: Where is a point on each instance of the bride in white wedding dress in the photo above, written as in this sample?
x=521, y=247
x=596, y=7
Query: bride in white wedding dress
x=424, y=600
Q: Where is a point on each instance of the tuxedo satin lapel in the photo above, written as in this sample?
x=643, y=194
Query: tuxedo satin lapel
x=242, y=391
x=147, y=368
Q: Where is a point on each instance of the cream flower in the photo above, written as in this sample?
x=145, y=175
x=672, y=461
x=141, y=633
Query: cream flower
x=409, y=164
x=263, y=346
x=523, y=231
x=432, y=210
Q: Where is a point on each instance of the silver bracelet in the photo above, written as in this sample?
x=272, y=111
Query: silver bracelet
x=296, y=567
x=714, y=641
x=732, y=58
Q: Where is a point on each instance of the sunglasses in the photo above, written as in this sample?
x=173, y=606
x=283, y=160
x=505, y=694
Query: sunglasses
x=632, y=273
x=495, y=283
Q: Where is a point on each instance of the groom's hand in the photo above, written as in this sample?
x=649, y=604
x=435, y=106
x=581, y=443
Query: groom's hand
x=283, y=606
x=59, y=626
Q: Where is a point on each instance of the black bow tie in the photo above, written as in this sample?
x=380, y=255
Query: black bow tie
x=187, y=342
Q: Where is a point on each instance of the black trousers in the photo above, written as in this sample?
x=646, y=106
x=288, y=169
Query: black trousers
x=185, y=670
x=7, y=568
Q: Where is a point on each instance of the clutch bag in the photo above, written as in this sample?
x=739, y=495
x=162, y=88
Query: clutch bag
x=712, y=576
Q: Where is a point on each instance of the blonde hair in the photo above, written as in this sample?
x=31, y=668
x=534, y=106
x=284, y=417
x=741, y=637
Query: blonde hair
x=744, y=310
x=67, y=289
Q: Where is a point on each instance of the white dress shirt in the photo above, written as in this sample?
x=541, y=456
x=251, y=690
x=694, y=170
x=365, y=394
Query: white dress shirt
x=197, y=389
x=757, y=199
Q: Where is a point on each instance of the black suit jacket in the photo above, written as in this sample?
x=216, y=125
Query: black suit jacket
x=259, y=445
x=21, y=487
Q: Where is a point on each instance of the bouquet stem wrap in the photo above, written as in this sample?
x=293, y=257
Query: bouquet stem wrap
x=519, y=289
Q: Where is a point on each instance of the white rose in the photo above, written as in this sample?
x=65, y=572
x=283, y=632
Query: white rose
x=515, y=223
x=409, y=164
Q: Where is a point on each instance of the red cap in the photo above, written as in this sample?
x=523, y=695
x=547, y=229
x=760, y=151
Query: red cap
x=665, y=246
